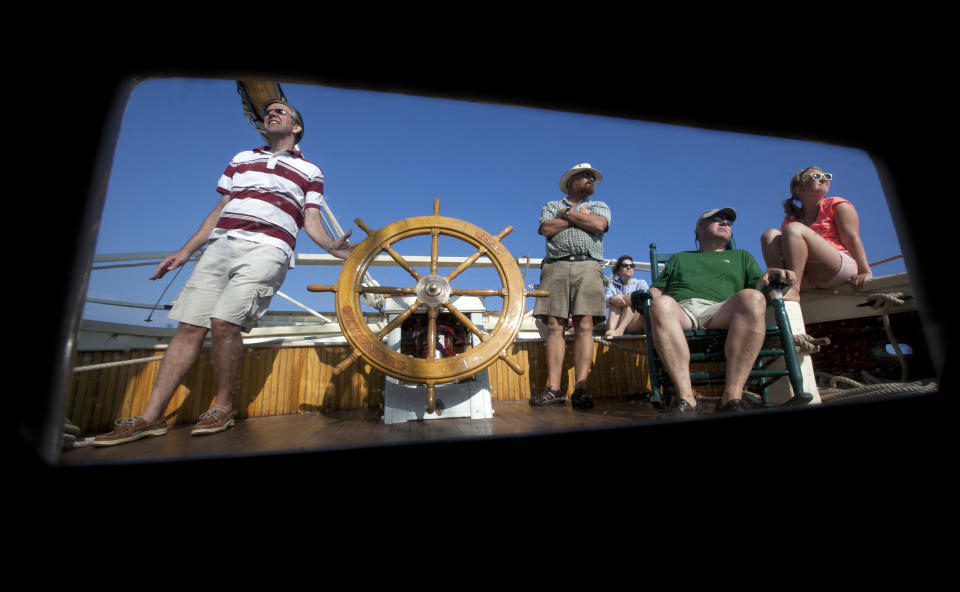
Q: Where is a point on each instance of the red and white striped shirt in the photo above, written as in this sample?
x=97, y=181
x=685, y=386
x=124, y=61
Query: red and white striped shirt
x=268, y=196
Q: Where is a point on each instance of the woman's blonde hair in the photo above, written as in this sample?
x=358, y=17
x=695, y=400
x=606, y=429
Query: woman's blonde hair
x=789, y=207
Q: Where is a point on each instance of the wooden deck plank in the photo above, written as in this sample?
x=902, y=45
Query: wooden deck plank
x=361, y=428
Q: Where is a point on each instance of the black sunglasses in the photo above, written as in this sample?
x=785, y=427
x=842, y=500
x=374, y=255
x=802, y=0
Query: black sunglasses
x=717, y=218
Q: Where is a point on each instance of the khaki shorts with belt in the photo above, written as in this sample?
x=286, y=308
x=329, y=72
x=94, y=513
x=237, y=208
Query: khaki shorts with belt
x=576, y=289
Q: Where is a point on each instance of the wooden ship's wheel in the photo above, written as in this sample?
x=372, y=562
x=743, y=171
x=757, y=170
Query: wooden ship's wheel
x=433, y=292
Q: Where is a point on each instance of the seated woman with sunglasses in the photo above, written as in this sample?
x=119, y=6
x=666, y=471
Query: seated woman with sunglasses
x=819, y=238
x=622, y=319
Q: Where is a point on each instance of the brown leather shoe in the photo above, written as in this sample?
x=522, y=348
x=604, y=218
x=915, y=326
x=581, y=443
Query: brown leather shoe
x=732, y=405
x=681, y=408
x=213, y=421
x=129, y=429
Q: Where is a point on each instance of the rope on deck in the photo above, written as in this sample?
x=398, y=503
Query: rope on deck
x=857, y=390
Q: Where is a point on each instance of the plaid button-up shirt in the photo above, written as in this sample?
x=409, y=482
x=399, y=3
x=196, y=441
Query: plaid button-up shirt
x=573, y=240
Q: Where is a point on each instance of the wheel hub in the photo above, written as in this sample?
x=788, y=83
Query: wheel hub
x=433, y=290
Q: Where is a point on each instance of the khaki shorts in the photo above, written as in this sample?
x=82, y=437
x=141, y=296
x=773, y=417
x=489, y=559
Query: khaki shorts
x=576, y=288
x=700, y=310
x=234, y=281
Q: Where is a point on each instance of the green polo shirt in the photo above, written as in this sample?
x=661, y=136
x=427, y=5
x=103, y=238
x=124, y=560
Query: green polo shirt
x=708, y=274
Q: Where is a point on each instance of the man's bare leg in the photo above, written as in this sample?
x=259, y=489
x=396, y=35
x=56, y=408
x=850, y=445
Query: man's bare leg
x=668, y=324
x=743, y=316
x=181, y=354
x=582, y=347
x=555, y=349
x=227, y=358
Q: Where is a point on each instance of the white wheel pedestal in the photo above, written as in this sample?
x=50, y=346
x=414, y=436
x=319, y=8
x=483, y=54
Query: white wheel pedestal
x=406, y=401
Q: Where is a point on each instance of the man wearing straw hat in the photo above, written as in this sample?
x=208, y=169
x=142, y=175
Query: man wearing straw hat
x=266, y=196
x=572, y=271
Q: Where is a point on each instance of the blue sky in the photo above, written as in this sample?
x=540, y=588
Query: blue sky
x=387, y=156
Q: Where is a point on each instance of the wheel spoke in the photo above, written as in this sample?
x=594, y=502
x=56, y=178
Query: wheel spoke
x=477, y=292
x=432, y=313
x=467, y=263
x=480, y=252
x=345, y=363
x=399, y=320
x=430, y=401
x=320, y=288
x=434, y=251
x=401, y=261
x=466, y=322
x=386, y=290
x=509, y=362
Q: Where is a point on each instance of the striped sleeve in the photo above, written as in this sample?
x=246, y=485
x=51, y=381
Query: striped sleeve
x=313, y=191
x=225, y=184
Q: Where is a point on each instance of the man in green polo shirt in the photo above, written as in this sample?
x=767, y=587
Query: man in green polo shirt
x=712, y=288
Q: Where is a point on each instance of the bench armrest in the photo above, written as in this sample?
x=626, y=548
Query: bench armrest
x=640, y=300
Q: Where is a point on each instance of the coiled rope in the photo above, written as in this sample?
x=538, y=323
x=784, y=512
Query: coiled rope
x=852, y=389
x=857, y=390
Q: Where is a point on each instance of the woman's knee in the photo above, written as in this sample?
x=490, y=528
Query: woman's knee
x=795, y=229
x=769, y=237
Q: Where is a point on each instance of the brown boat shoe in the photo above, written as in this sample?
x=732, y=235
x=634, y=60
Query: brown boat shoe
x=733, y=405
x=213, y=421
x=129, y=429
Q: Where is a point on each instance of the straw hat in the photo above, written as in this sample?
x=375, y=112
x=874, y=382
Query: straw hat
x=583, y=166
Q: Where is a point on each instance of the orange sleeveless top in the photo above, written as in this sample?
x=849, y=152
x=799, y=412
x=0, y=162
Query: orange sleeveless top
x=826, y=224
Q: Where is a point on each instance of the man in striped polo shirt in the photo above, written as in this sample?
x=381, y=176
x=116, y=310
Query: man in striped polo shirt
x=572, y=271
x=266, y=196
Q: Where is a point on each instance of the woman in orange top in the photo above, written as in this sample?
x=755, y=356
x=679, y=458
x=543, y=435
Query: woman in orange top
x=819, y=238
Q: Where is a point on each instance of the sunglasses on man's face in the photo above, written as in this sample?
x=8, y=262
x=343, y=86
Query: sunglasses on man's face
x=277, y=111
x=818, y=176
x=718, y=218
x=589, y=176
